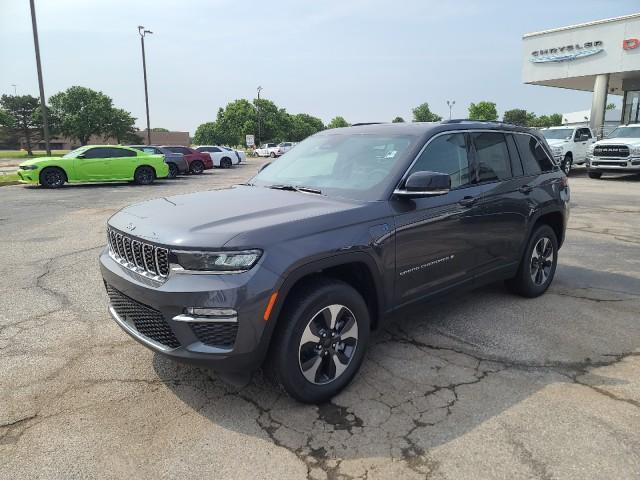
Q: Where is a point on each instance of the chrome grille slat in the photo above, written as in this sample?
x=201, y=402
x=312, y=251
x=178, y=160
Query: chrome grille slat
x=143, y=258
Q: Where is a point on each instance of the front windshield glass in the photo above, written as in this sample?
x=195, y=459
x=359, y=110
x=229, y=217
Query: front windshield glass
x=352, y=166
x=557, y=133
x=625, y=132
x=74, y=153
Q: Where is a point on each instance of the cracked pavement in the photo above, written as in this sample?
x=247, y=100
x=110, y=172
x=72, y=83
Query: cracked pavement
x=487, y=385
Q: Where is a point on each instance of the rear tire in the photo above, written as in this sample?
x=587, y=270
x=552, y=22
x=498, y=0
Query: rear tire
x=197, y=167
x=173, y=170
x=595, y=175
x=52, y=177
x=320, y=340
x=272, y=155
x=144, y=175
x=226, y=163
x=538, y=265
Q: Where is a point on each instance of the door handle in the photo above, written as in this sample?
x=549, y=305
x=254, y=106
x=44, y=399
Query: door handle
x=468, y=201
x=525, y=189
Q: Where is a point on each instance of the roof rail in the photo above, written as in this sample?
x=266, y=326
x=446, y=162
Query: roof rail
x=365, y=123
x=470, y=120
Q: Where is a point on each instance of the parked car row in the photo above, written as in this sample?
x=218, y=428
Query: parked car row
x=274, y=150
x=141, y=164
x=619, y=152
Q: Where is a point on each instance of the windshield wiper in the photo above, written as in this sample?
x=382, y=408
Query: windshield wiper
x=295, y=188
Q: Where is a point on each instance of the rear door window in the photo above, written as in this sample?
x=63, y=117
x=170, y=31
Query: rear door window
x=492, y=156
x=122, y=152
x=534, y=157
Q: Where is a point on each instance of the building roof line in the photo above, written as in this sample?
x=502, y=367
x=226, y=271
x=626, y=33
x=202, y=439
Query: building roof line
x=580, y=25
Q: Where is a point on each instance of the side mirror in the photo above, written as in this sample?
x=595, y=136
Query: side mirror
x=425, y=184
x=81, y=156
x=264, y=166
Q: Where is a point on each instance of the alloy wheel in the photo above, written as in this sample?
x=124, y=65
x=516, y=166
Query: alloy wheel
x=541, y=261
x=53, y=178
x=328, y=344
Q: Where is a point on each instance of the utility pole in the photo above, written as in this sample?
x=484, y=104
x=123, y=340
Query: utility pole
x=43, y=105
x=258, y=106
x=450, y=104
x=142, y=33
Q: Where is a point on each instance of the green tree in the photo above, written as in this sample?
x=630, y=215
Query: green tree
x=422, y=113
x=517, y=116
x=207, y=134
x=398, y=120
x=302, y=126
x=483, y=111
x=235, y=121
x=82, y=112
x=611, y=106
x=338, y=122
x=121, y=126
x=22, y=117
x=543, y=121
x=159, y=129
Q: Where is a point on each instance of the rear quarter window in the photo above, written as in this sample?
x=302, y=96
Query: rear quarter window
x=533, y=155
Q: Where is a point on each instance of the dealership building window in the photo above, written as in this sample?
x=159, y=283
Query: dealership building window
x=602, y=57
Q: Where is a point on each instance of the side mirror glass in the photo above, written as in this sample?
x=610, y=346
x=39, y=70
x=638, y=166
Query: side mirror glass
x=425, y=184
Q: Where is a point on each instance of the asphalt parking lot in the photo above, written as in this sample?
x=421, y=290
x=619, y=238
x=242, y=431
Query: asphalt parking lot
x=488, y=385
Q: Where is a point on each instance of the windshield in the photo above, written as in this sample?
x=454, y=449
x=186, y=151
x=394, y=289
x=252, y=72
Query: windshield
x=625, y=132
x=352, y=166
x=74, y=153
x=557, y=133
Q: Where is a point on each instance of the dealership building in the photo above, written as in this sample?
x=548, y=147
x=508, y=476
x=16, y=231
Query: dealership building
x=602, y=57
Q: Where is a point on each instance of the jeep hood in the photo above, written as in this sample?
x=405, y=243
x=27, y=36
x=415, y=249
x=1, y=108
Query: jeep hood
x=260, y=216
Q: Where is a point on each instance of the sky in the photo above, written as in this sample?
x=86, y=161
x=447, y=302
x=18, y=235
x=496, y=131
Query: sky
x=366, y=60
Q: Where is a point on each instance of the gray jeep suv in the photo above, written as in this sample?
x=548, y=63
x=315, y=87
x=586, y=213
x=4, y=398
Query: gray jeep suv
x=295, y=268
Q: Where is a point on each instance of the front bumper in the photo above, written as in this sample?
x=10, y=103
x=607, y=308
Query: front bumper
x=187, y=339
x=29, y=176
x=613, y=164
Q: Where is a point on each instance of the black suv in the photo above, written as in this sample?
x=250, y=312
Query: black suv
x=301, y=263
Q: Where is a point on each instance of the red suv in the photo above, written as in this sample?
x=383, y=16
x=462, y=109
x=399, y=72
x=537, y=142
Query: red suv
x=198, y=161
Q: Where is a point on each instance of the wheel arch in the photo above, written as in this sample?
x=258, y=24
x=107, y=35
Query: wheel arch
x=358, y=269
x=57, y=166
x=555, y=219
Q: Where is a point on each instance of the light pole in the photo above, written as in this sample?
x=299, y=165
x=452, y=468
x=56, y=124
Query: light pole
x=258, y=106
x=45, y=121
x=450, y=104
x=142, y=33
x=15, y=89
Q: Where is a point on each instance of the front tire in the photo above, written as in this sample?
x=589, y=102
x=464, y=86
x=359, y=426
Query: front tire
x=173, y=170
x=321, y=340
x=272, y=155
x=538, y=266
x=596, y=175
x=567, y=164
x=197, y=167
x=144, y=175
x=52, y=177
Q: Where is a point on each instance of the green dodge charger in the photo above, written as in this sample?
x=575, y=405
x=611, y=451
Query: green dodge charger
x=95, y=163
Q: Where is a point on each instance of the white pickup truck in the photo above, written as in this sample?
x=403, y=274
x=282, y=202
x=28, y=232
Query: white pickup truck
x=569, y=145
x=618, y=153
x=267, y=150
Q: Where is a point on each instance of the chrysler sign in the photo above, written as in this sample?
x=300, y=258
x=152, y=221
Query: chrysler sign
x=567, y=52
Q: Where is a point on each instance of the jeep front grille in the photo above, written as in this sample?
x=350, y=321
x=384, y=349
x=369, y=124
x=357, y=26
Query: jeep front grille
x=141, y=257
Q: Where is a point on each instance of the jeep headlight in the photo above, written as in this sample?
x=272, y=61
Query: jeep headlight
x=231, y=261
